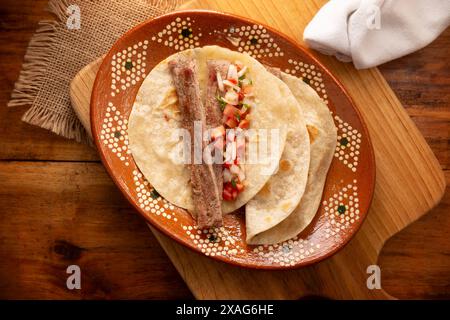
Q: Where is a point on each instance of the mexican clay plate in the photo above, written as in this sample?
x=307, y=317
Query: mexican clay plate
x=350, y=182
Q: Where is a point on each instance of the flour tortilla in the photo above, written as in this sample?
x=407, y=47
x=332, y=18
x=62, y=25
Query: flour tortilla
x=156, y=149
x=322, y=132
x=282, y=193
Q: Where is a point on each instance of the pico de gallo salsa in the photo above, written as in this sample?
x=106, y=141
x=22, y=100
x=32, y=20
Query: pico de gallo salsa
x=236, y=101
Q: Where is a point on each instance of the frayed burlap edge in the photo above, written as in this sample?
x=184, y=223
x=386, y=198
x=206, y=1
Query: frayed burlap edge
x=35, y=64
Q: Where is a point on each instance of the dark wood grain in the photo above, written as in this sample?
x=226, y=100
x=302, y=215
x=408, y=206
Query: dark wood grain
x=416, y=262
x=48, y=222
x=76, y=217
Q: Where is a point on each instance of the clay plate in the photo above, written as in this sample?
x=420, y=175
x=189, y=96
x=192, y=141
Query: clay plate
x=350, y=182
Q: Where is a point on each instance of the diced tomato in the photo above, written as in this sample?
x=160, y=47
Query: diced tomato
x=231, y=122
x=224, y=118
x=244, y=112
x=227, y=165
x=230, y=110
x=227, y=194
x=247, y=89
x=244, y=124
x=241, y=95
x=233, y=81
x=239, y=65
x=232, y=189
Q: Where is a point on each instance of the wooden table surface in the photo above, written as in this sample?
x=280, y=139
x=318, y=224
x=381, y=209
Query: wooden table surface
x=59, y=207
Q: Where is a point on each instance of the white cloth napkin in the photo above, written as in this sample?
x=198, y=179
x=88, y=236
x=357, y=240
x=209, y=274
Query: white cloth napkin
x=371, y=32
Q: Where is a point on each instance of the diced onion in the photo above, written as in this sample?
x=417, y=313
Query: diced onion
x=245, y=82
x=231, y=97
x=232, y=85
x=248, y=101
x=226, y=175
x=242, y=72
x=239, y=64
x=230, y=152
x=232, y=72
x=234, y=169
x=220, y=81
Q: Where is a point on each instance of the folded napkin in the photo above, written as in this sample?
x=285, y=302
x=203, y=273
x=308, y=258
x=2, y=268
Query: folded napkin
x=371, y=32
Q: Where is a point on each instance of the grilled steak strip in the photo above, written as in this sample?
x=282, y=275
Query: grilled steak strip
x=206, y=193
x=213, y=111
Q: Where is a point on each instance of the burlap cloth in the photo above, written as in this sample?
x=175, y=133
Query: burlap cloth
x=56, y=53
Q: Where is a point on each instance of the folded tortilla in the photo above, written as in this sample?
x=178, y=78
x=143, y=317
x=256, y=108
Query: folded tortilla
x=323, y=135
x=283, y=191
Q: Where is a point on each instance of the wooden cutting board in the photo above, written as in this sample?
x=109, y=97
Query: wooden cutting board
x=409, y=179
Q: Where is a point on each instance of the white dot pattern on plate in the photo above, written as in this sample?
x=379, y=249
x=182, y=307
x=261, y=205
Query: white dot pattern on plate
x=341, y=210
x=128, y=67
x=253, y=39
x=114, y=133
x=180, y=35
x=149, y=199
x=287, y=253
x=310, y=75
x=215, y=241
x=348, y=144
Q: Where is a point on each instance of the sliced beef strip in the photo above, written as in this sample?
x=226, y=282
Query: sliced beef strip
x=212, y=107
x=206, y=193
x=213, y=111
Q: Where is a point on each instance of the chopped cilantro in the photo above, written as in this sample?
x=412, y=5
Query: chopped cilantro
x=238, y=116
x=222, y=103
x=242, y=77
x=233, y=183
